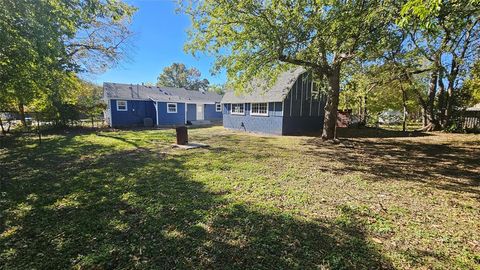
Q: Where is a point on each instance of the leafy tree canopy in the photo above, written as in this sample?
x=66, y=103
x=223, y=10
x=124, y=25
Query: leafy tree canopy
x=43, y=43
x=260, y=39
x=471, y=87
x=446, y=34
x=178, y=75
x=217, y=88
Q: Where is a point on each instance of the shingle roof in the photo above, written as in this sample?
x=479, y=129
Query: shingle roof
x=475, y=107
x=143, y=92
x=276, y=93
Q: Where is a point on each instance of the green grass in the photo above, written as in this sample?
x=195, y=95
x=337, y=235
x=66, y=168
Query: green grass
x=126, y=199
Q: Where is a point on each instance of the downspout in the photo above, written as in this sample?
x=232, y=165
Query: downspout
x=311, y=98
x=155, y=104
x=111, y=112
x=156, y=113
x=291, y=100
x=301, y=100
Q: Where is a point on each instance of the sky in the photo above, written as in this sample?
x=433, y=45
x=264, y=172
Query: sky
x=160, y=33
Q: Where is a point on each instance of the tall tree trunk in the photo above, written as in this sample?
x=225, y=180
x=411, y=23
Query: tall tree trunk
x=449, y=105
x=441, y=99
x=4, y=132
x=430, y=106
x=404, y=103
x=457, y=60
x=360, y=108
x=21, y=110
x=423, y=108
x=424, y=117
x=364, y=120
x=450, y=98
x=331, y=107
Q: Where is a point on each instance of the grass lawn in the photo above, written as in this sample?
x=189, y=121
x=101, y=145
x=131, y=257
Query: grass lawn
x=126, y=199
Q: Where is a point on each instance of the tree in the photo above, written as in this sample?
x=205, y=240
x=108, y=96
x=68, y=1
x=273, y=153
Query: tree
x=217, y=88
x=446, y=34
x=28, y=45
x=377, y=87
x=6, y=106
x=98, y=35
x=178, y=75
x=89, y=99
x=260, y=39
x=471, y=87
x=42, y=40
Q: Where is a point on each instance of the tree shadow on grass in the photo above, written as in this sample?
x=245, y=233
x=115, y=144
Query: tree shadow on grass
x=365, y=132
x=120, y=138
x=376, y=133
x=443, y=166
x=137, y=209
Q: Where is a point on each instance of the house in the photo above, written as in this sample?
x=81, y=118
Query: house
x=293, y=105
x=390, y=117
x=475, y=108
x=344, y=118
x=470, y=119
x=140, y=105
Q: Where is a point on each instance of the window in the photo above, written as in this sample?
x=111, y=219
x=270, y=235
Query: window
x=238, y=108
x=121, y=105
x=171, y=107
x=259, y=109
x=218, y=107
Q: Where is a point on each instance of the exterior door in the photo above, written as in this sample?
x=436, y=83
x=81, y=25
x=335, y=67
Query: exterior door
x=191, y=112
x=200, y=112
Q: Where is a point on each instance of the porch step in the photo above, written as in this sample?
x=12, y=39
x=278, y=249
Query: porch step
x=200, y=122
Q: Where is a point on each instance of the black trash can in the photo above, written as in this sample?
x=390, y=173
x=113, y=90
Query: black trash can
x=182, y=135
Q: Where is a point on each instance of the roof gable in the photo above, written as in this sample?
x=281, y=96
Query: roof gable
x=276, y=93
x=475, y=107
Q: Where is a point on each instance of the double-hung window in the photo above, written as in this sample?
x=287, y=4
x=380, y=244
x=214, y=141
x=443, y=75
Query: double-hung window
x=171, y=107
x=122, y=105
x=218, y=107
x=238, y=108
x=259, y=109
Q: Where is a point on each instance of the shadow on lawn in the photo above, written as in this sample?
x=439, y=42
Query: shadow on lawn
x=377, y=133
x=442, y=166
x=365, y=132
x=62, y=207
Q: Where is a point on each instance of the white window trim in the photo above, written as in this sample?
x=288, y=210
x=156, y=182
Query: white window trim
x=236, y=113
x=259, y=114
x=168, y=108
x=216, y=108
x=126, y=106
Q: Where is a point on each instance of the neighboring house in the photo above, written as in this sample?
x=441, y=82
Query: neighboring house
x=471, y=119
x=390, y=117
x=344, y=118
x=475, y=107
x=288, y=107
x=138, y=105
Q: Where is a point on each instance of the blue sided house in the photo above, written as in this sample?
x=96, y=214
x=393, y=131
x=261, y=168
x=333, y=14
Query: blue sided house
x=140, y=105
x=293, y=105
